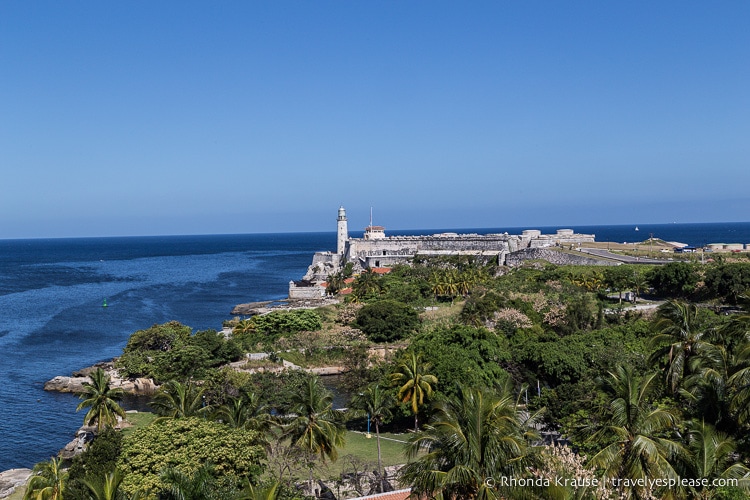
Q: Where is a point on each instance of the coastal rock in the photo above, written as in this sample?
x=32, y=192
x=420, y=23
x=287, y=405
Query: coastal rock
x=12, y=479
x=83, y=437
x=138, y=386
x=66, y=384
x=251, y=308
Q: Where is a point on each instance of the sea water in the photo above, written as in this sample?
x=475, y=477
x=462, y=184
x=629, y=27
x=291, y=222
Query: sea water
x=52, y=291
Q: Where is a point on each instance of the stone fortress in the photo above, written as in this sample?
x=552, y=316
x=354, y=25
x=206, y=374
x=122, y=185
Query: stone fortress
x=375, y=249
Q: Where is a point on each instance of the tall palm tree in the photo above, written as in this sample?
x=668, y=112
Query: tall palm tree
x=101, y=400
x=679, y=337
x=416, y=383
x=47, y=482
x=178, y=400
x=737, y=332
x=635, y=435
x=316, y=427
x=377, y=404
x=471, y=437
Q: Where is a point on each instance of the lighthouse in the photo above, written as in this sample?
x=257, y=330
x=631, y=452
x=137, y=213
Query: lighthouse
x=342, y=230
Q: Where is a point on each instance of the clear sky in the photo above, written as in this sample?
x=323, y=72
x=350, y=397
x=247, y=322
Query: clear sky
x=166, y=117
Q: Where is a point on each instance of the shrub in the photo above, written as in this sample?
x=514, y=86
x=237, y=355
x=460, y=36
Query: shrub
x=387, y=321
x=185, y=444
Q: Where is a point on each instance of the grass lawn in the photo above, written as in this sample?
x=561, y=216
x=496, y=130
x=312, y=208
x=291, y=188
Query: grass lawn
x=140, y=419
x=391, y=448
x=445, y=314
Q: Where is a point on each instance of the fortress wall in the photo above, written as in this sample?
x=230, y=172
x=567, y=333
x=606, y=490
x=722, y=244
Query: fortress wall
x=324, y=258
x=359, y=248
x=555, y=257
x=305, y=292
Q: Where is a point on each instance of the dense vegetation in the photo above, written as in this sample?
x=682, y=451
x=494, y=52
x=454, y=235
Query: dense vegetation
x=484, y=361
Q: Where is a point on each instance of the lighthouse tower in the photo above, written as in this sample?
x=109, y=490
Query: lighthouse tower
x=343, y=232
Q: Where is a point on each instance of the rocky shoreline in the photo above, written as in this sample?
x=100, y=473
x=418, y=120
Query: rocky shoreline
x=265, y=307
x=74, y=384
x=12, y=479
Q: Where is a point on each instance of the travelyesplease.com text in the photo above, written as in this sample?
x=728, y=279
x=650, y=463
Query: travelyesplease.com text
x=652, y=483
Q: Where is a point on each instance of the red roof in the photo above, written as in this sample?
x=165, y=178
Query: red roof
x=380, y=270
x=393, y=495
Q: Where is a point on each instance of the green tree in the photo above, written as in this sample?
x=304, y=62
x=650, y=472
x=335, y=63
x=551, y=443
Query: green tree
x=178, y=400
x=244, y=326
x=679, y=337
x=107, y=488
x=101, y=400
x=471, y=437
x=186, y=444
x=712, y=454
x=415, y=383
x=335, y=282
x=377, y=404
x=316, y=426
x=676, y=279
x=249, y=412
x=728, y=281
x=265, y=492
x=637, y=438
x=473, y=356
x=387, y=320
x=199, y=485
x=617, y=278
x=47, y=481
x=367, y=285
x=97, y=460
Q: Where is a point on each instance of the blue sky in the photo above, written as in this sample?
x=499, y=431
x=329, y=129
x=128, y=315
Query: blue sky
x=139, y=118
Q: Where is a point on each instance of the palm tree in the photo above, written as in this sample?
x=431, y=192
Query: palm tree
x=471, y=437
x=267, y=492
x=635, y=435
x=315, y=427
x=244, y=326
x=199, y=485
x=377, y=404
x=416, y=384
x=436, y=284
x=367, y=283
x=101, y=401
x=335, y=282
x=47, y=482
x=107, y=489
x=249, y=413
x=678, y=339
x=178, y=400
x=712, y=454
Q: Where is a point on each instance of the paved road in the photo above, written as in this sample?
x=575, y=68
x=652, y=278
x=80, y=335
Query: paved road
x=622, y=258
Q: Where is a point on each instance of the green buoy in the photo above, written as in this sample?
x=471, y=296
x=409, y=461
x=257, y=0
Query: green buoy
x=105, y=303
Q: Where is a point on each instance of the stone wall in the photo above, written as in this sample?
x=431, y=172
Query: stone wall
x=554, y=257
x=306, y=292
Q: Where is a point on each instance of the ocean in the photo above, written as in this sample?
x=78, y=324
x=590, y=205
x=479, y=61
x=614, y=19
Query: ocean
x=52, y=321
